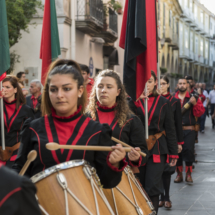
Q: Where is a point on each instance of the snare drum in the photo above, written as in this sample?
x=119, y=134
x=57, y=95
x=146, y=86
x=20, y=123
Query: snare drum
x=129, y=198
x=71, y=188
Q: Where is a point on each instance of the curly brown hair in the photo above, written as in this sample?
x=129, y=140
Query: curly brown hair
x=122, y=111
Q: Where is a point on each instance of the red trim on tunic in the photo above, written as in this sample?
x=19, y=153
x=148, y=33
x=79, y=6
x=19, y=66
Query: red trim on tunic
x=180, y=143
x=9, y=195
x=38, y=138
x=89, y=140
x=153, y=110
x=11, y=122
x=2, y=163
x=123, y=127
x=131, y=163
x=104, y=107
x=80, y=133
x=160, y=115
x=13, y=158
x=10, y=108
x=156, y=158
x=105, y=117
x=113, y=167
x=174, y=156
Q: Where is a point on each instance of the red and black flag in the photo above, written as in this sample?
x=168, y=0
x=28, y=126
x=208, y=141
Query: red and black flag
x=50, y=44
x=139, y=39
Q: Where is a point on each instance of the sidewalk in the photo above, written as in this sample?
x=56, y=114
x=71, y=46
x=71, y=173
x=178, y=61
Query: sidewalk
x=198, y=198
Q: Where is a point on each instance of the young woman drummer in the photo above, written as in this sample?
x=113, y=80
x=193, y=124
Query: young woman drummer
x=63, y=103
x=160, y=119
x=176, y=109
x=108, y=104
x=15, y=114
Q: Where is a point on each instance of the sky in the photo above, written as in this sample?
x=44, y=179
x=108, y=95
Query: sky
x=209, y=4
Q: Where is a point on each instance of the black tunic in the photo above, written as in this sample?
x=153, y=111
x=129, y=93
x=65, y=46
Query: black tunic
x=132, y=132
x=13, y=120
x=74, y=130
x=160, y=118
x=176, y=109
x=37, y=111
x=17, y=194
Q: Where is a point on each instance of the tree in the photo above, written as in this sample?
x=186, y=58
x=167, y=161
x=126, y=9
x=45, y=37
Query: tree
x=19, y=14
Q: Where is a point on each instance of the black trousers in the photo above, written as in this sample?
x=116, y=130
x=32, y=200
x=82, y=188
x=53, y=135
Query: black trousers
x=212, y=112
x=150, y=176
x=187, y=153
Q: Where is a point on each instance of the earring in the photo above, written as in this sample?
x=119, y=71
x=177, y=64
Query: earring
x=79, y=96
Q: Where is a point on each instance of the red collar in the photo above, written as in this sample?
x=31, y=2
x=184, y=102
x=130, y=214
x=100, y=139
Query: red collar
x=9, y=103
x=166, y=95
x=91, y=81
x=104, y=107
x=71, y=117
x=187, y=95
x=32, y=97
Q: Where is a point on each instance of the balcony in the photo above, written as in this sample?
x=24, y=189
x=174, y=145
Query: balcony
x=201, y=59
x=89, y=17
x=196, y=57
x=175, y=42
x=191, y=56
x=206, y=61
x=185, y=53
x=167, y=33
x=110, y=31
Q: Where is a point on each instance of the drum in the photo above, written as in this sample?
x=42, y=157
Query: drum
x=71, y=188
x=129, y=198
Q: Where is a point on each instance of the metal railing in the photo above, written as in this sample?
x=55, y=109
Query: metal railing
x=113, y=20
x=90, y=10
x=205, y=61
x=201, y=59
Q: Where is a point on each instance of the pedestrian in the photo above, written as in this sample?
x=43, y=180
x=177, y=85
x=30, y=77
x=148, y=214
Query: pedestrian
x=21, y=80
x=89, y=82
x=15, y=114
x=205, y=101
x=162, y=139
x=212, y=104
x=63, y=122
x=34, y=101
x=108, y=104
x=195, y=109
x=168, y=171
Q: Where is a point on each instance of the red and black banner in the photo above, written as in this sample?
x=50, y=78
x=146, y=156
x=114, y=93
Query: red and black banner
x=139, y=39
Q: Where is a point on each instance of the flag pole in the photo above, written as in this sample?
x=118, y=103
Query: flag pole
x=2, y=121
x=146, y=114
x=158, y=66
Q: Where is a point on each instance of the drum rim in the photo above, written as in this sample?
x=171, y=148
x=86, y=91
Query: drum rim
x=65, y=165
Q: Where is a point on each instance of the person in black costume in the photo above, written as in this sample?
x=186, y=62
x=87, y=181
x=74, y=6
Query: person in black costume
x=160, y=119
x=17, y=196
x=63, y=103
x=108, y=104
x=15, y=114
x=168, y=171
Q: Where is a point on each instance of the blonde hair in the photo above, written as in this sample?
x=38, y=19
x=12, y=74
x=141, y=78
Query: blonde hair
x=122, y=110
x=63, y=67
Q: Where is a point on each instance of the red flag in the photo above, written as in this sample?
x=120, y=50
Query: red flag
x=139, y=39
x=50, y=45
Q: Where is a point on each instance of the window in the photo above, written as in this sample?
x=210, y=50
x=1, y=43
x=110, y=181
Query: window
x=201, y=17
x=170, y=18
x=191, y=5
x=206, y=49
x=164, y=14
x=191, y=41
x=201, y=47
x=196, y=44
x=195, y=11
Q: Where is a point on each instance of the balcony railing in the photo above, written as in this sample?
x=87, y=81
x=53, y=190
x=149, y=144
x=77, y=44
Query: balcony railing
x=89, y=16
x=167, y=33
x=201, y=59
x=113, y=20
x=196, y=57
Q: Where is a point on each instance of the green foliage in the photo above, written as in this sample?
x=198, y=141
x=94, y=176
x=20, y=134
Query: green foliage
x=19, y=15
x=176, y=75
x=113, y=4
x=163, y=70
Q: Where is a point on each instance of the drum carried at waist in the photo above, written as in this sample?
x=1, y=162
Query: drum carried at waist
x=129, y=198
x=71, y=188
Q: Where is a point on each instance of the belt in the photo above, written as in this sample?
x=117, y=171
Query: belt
x=153, y=138
x=189, y=127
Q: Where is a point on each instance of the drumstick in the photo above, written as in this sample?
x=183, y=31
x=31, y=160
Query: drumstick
x=31, y=157
x=126, y=145
x=56, y=146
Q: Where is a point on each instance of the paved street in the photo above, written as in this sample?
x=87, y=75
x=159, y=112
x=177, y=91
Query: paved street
x=198, y=198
